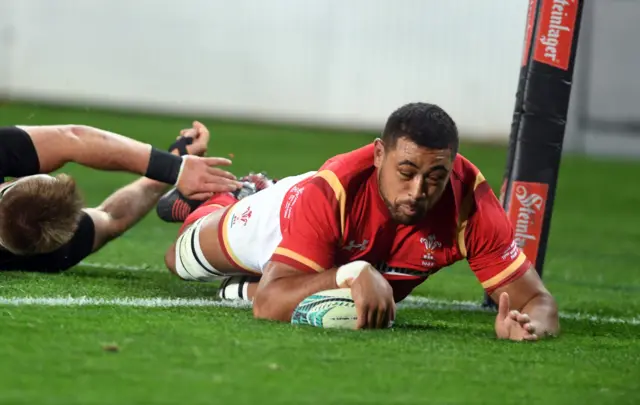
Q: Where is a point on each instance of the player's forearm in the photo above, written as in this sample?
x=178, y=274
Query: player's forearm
x=277, y=298
x=104, y=150
x=131, y=203
x=543, y=311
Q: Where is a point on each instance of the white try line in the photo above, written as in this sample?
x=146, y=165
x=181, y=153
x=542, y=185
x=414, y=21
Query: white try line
x=121, y=267
x=410, y=302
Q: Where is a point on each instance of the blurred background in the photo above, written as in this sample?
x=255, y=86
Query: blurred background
x=332, y=63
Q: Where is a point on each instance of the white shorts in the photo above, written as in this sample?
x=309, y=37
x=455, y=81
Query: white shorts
x=250, y=229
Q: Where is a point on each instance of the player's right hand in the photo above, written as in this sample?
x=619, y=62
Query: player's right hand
x=373, y=297
x=200, y=178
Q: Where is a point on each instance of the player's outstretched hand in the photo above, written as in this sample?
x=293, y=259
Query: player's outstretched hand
x=200, y=134
x=373, y=297
x=511, y=324
x=200, y=177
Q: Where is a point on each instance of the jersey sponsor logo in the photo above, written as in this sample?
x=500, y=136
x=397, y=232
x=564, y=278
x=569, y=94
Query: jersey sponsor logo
x=353, y=245
x=526, y=211
x=556, y=29
x=430, y=245
x=293, y=196
x=242, y=218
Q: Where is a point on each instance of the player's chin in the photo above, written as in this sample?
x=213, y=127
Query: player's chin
x=407, y=219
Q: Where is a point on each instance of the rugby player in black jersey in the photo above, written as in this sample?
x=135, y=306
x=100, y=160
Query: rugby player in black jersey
x=43, y=224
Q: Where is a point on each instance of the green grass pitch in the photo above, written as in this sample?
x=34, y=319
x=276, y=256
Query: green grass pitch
x=180, y=348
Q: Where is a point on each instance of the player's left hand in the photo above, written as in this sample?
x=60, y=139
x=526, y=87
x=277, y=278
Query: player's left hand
x=200, y=135
x=511, y=324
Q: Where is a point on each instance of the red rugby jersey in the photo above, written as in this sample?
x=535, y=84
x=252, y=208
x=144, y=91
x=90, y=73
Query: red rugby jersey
x=336, y=216
x=467, y=223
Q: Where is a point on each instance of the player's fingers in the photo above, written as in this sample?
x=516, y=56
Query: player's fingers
x=382, y=320
x=523, y=318
x=503, y=305
x=361, y=310
x=203, y=132
x=219, y=186
x=393, y=312
x=217, y=161
x=388, y=318
x=190, y=133
x=219, y=173
x=372, y=319
x=529, y=328
x=530, y=337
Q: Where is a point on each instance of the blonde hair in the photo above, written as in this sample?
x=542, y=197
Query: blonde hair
x=39, y=215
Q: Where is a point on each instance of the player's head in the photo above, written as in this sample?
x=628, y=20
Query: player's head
x=414, y=159
x=38, y=214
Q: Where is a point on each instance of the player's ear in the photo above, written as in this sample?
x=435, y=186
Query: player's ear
x=378, y=152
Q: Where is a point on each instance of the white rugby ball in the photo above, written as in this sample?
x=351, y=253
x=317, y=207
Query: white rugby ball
x=327, y=309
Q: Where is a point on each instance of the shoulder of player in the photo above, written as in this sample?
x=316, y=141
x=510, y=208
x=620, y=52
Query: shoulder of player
x=347, y=165
x=466, y=177
x=342, y=173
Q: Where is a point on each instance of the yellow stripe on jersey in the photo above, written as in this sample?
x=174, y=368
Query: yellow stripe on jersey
x=299, y=258
x=341, y=194
x=463, y=214
x=512, y=268
x=227, y=246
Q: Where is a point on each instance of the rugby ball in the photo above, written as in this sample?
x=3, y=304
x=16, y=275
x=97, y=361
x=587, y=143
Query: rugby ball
x=327, y=309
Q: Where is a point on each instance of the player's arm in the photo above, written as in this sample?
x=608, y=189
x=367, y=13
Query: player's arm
x=57, y=145
x=123, y=209
x=527, y=309
x=535, y=304
x=282, y=287
x=128, y=205
x=303, y=263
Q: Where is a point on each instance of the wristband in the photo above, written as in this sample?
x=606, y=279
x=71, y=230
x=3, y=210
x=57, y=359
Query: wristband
x=164, y=166
x=181, y=145
x=347, y=273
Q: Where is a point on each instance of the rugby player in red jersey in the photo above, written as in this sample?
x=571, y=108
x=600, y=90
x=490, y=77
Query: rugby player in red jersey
x=401, y=208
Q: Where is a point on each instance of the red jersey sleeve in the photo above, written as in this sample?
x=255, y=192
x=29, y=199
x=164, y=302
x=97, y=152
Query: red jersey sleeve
x=492, y=252
x=310, y=221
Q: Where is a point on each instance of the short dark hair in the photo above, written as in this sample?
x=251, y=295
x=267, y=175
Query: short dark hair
x=425, y=124
x=39, y=216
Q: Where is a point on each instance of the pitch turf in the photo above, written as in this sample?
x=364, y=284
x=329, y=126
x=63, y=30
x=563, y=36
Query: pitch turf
x=114, y=347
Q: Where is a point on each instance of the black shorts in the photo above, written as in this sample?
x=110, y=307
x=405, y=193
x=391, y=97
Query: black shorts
x=67, y=256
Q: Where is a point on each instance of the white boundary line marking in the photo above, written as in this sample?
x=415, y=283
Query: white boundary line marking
x=122, y=267
x=471, y=306
x=122, y=302
x=410, y=302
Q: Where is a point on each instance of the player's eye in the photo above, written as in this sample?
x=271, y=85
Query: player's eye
x=406, y=175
